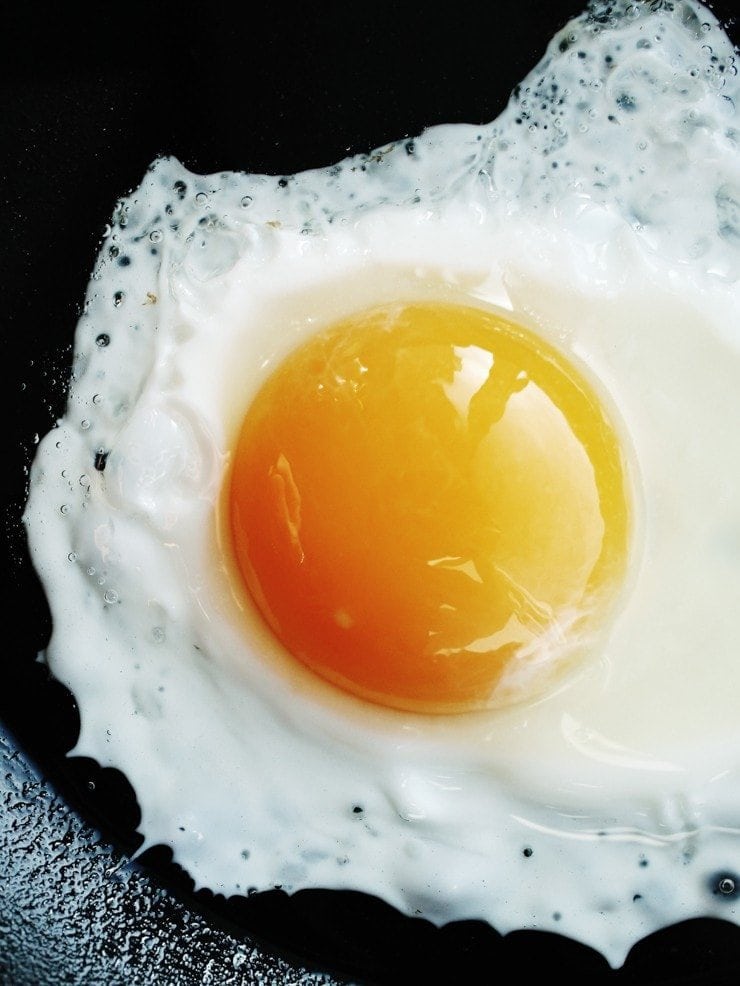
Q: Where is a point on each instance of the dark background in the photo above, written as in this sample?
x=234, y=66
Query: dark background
x=83, y=112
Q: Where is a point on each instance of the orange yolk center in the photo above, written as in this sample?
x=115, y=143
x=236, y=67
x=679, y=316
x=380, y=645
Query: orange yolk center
x=428, y=507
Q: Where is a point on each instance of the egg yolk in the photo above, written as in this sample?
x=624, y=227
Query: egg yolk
x=428, y=506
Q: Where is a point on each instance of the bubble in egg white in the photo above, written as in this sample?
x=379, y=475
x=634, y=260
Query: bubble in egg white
x=602, y=208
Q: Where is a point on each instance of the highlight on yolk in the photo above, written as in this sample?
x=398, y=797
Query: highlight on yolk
x=428, y=506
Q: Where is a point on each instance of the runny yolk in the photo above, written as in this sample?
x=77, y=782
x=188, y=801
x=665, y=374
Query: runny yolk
x=428, y=506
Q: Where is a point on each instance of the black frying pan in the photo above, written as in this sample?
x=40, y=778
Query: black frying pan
x=84, y=111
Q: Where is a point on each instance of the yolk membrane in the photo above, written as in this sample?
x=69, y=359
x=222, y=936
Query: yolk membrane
x=428, y=506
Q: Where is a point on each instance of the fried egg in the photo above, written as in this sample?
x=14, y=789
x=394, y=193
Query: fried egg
x=392, y=531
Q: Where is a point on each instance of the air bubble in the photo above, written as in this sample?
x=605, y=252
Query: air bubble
x=85, y=481
x=118, y=299
x=156, y=236
x=246, y=201
x=110, y=596
x=64, y=509
x=102, y=340
x=84, y=424
x=90, y=570
x=726, y=886
x=201, y=198
x=96, y=399
x=72, y=556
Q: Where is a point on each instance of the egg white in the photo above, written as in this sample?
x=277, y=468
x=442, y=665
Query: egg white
x=625, y=256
